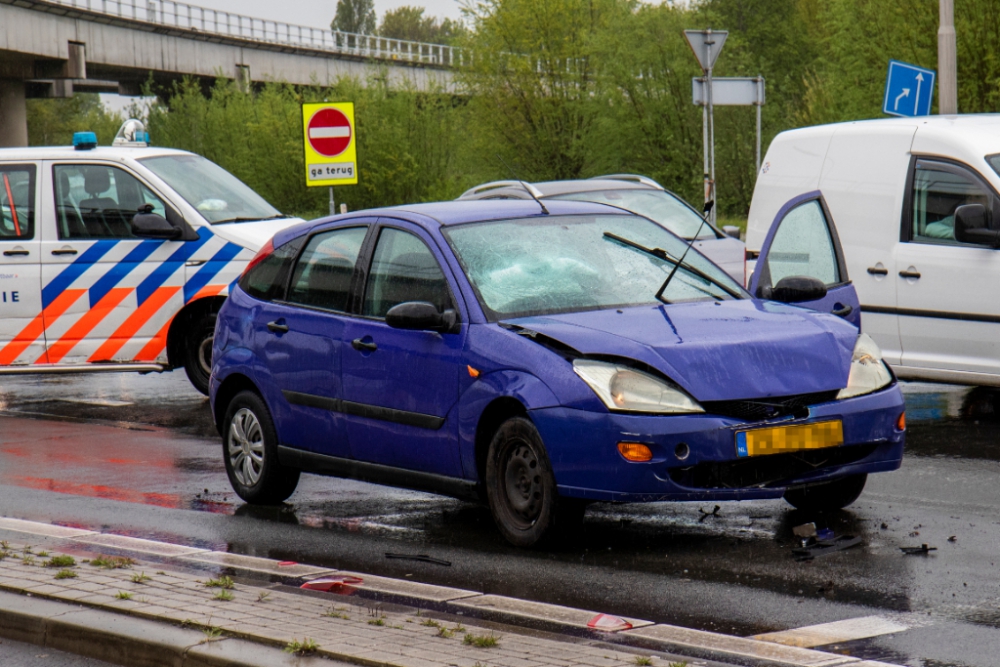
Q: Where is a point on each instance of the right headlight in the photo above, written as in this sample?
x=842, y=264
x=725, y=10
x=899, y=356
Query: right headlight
x=627, y=389
x=868, y=372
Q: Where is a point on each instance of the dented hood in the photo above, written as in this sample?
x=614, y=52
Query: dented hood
x=717, y=351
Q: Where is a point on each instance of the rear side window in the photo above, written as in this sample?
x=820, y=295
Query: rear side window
x=17, y=202
x=323, y=274
x=266, y=281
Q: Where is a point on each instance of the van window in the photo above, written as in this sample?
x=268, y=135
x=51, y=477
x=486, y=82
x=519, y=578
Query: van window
x=98, y=202
x=802, y=246
x=937, y=191
x=17, y=202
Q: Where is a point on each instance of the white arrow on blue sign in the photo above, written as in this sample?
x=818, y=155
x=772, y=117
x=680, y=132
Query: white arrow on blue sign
x=908, y=90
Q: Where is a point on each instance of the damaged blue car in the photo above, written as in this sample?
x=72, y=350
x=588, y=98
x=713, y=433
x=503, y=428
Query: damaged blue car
x=545, y=357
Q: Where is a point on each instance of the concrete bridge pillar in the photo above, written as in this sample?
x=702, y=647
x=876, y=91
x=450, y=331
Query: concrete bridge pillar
x=13, y=114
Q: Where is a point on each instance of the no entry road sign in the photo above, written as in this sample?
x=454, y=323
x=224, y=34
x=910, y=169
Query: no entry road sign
x=909, y=90
x=330, y=142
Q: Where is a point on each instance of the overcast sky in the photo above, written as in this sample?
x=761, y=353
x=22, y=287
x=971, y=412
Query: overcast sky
x=319, y=13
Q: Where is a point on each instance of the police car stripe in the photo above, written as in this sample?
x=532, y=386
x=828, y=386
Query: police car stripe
x=205, y=274
x=131, y=326
x=56, y=351
x=158, y=343
x=118, y=272
x=74, y=270
x=161, y=273
x=36, y=328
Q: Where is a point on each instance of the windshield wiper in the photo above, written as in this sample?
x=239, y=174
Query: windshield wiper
x=273, y=217
x=660, y=253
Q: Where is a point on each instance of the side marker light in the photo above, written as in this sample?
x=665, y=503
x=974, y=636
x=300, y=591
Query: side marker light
x=634, y=451
x=901, y=422
x=473, y=373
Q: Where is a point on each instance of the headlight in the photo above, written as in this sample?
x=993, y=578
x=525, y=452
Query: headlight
x=624, y=388
x=868, y=371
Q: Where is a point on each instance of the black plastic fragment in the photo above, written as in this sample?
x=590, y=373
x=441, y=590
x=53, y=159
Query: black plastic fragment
x=424, y=558
x=915, y=551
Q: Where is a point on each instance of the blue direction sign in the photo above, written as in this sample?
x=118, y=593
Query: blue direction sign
x=908, y=90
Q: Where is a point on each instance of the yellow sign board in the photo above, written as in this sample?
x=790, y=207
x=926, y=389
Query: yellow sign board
x=330, y=141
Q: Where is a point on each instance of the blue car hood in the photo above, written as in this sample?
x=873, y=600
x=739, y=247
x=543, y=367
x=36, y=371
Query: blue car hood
x=726, y=351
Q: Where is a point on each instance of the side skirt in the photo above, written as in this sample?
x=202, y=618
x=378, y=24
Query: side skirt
x=334, y=466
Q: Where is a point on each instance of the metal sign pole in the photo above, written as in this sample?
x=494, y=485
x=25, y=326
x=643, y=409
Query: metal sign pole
x=760, y=103
x=333, y=207
x=711, y=126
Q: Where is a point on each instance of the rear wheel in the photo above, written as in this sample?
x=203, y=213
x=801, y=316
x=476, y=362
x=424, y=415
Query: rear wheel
x=833, y=495
x=198, y=352
x=250, y=450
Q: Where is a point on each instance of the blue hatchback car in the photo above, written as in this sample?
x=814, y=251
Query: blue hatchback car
x=546, y=358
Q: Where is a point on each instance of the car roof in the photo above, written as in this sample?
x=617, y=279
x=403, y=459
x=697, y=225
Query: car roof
x=99, y=153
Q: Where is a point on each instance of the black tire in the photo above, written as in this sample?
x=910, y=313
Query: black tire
x=198, y=352
x=250, y=451
x=521, y=488
x=833, y=495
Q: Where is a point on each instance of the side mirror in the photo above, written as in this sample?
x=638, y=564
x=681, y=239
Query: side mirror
x=732, y=230
x=149, y=225
x=972, y=226
x=797, y=289
x=422, y=316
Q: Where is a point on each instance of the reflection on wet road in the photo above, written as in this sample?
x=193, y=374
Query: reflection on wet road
x=135, y=455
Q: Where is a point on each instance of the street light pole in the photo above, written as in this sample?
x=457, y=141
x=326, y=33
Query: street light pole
x=947, y=60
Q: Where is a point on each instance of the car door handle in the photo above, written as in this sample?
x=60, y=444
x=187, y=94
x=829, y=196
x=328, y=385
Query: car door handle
x=359, y=345
x=15, y=253
x=909, y=274
x=277, y=328
x=65, y=251
x=843, y=311
x=876, y=271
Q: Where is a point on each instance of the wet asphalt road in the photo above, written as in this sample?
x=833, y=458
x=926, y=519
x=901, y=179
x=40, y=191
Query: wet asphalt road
x=138, y=455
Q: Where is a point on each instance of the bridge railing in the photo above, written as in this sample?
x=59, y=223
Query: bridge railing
x=216, y=22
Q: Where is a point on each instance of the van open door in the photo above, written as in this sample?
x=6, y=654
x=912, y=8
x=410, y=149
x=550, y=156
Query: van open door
x=800, y=254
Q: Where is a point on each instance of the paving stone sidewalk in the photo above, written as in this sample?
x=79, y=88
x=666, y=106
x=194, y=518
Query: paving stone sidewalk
x=341, y=627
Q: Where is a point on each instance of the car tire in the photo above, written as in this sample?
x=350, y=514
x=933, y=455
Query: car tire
x=198, y=352
x=833, y=495
x=250, y=451
x=521, y=488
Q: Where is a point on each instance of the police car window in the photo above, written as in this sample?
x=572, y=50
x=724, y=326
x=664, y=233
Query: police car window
x=322, y=276
x=99, y=202
x=937, y=192
x=17, y=202
x=403, y=269
x=802, y=246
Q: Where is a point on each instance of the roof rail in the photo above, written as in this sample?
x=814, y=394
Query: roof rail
x=645, y=180
x=496, y=185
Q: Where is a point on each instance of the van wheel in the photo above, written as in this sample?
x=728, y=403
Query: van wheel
x=833, y=495
x=521, y=488
x=198, y=352
x=250, y=450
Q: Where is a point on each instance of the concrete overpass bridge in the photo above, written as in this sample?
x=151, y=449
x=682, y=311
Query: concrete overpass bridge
x=51, y=48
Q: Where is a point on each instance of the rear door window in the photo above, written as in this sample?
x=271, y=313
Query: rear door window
x=17, y=202
x=324, y=272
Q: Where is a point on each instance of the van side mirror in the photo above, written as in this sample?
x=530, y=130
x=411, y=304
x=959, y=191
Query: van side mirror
x=732, y=230
x=798, y=289
x=972, y=226
x=149, y=225
x=422, y=316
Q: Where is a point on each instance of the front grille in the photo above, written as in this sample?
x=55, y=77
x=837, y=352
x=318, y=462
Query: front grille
x=759, y=409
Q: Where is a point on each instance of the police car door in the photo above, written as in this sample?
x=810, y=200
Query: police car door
x=99, y=298
x=21, y=339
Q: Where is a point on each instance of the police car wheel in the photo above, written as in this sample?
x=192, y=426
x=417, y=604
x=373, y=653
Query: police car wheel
x=250, y=450
x=198, y=353
x=833, y=495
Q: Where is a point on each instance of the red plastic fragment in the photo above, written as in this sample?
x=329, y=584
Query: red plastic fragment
x=286, y=563
x=608, y=623
x=334, y=584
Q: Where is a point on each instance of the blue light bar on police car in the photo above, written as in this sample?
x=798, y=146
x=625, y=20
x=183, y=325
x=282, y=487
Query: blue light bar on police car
x=84, y=141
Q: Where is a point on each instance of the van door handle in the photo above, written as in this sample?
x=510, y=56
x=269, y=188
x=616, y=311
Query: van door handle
x=359, y=345
x=909, y=274
x=65, y=251
x=843, y=311
x=876, y=271
x=15, y=253
x=276, y=327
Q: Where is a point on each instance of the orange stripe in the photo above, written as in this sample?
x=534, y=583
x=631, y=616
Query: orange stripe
x=86, y=324
x=158, y=343
x=37, y=327
x=135, y=321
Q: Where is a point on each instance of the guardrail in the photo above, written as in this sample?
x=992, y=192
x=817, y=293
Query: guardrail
x=215, y=22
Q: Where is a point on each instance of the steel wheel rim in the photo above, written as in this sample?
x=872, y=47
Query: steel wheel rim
x=205, y=356
x=246, y=447
x=523, y=487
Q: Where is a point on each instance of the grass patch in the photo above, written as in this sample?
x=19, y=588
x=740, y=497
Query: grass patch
x=112, y=562
x=28, y=559
x=221, y=582
x=211, y=633
x=224, y=595
x=124, y=595
x=139, y=578
x=677, y=664
x=305, y=647
x=336, y=613
x=43, y=554
x=65, y=574
x=377, y=621
x=642, y=661
x=431, y=623
x=60, y=561
x=263, y=595
x=445, y=632
x=481, y=641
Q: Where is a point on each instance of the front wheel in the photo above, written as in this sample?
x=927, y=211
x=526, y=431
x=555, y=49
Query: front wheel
x=198, y=352
x=833, y=495
x=521, y=488
x=250, y=449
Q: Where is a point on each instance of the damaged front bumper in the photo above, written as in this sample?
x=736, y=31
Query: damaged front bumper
x=695, y=456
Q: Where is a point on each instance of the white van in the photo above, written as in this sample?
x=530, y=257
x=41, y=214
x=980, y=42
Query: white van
x=915, y=205
x=118, y=258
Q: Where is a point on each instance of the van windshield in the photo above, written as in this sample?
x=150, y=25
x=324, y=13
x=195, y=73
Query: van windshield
x=218, y=195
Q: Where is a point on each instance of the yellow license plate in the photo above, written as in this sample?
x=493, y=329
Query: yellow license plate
x=794, y=438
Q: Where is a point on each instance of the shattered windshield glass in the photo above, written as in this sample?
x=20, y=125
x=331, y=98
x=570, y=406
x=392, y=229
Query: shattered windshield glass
x=559, y=264
x=657, y=205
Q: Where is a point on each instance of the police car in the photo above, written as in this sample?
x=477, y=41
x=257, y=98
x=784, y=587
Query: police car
x=119, y=258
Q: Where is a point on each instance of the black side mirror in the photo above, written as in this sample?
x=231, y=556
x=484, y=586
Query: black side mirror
x=796, y=289
x=421, y=315
x=972, y=226
x=149, y=225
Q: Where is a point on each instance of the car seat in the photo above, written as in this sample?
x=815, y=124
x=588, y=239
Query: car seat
x=100, y=214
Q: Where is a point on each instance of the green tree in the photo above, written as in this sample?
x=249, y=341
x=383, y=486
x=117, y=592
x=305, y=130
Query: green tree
x=357, y=16
x=409, y=23
x=52, y=122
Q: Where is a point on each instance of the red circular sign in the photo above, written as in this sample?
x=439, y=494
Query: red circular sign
x=329, y=132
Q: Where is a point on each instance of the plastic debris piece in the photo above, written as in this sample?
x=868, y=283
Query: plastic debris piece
x=824, y=534
x=825, y=547
x=953, y=538
x=608, y=623
x=424, y=558
x=915, y=551
x=805, y=530
x=286, y=563
x=340, y=583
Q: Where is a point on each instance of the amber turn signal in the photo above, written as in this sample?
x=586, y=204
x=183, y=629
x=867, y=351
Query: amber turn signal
x=634, y=451
x=473, y=373
x=901, y=422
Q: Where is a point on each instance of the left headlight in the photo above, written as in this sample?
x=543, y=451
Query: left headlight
x=631, y=390
x=868, y=372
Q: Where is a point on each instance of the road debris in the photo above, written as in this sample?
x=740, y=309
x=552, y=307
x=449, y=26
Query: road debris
x=341, y=584
x=825, y=547
x=914, y=551
x=705, y=515
x=953, y=538
x=805, y=531
x=608, y=623
x=423, y=558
